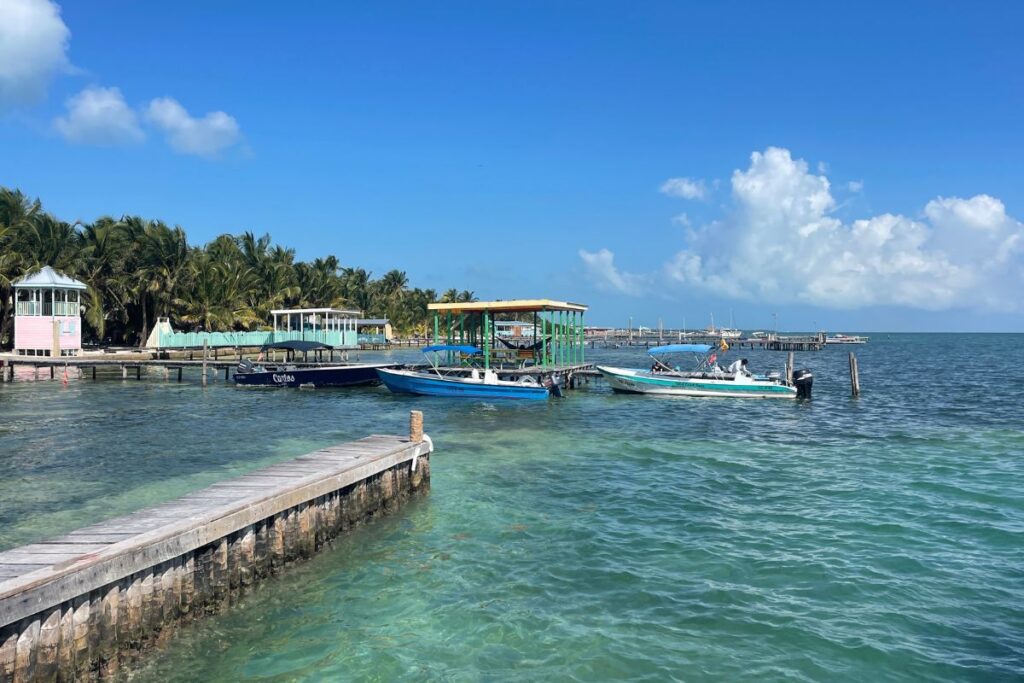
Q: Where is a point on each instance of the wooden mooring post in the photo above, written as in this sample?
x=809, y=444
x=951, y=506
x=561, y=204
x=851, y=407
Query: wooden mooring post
x=854, y=376
x=82, y=606
x=789, y=368
x=206, y=358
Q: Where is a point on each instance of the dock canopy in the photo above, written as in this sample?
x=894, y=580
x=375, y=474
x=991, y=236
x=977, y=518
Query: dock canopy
x=296, y=345
x=514, y=332
x=680, y=348
x=458, y=348
x=509, y=306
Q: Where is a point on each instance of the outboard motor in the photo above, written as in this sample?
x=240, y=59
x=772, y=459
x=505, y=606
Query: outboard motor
x=803, y=380
x=553, y=384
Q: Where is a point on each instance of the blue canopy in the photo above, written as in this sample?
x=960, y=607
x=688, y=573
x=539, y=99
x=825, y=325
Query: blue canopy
x=472, y=350
x=681, y=348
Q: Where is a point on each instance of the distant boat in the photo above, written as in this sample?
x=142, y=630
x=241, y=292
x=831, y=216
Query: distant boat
x=706, y=380
x=478, y=384
x=722, y=332
x=845, y=339
x=249, y=373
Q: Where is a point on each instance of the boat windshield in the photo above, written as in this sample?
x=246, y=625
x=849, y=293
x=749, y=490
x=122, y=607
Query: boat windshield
x=451, y=352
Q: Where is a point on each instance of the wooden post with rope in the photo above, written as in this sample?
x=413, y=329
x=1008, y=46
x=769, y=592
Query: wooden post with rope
x=415, y=426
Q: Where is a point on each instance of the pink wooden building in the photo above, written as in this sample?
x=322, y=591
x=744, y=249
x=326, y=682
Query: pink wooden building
x=47, y=314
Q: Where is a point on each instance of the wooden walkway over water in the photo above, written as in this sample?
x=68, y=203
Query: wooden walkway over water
x=127, y=367
x=69, y=605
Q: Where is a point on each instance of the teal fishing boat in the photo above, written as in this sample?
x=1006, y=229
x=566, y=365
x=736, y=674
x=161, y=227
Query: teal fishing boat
x=665, y=377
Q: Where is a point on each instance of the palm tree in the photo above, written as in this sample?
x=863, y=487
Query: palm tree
x=102, y=254
x=355, y=288
x=164, y=256
x=216, y=295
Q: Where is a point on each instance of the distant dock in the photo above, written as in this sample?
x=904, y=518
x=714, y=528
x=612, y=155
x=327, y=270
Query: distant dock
x=807, y=342
x=77, y=606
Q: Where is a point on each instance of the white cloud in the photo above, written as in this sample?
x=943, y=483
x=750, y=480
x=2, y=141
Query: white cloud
x=855, y=185
x=685, y=188
x=99, y=116
x=33, y=43
x=206, y=136
x=601, y=270
x=683, y=220
x=779, y=242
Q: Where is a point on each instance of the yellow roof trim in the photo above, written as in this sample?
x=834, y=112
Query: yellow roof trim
x=509, y=306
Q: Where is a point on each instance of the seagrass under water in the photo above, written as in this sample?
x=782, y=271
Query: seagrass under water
x=597, y=537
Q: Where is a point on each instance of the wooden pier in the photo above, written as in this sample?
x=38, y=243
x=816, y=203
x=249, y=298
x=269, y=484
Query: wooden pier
x=128, y=367
x=79, y=606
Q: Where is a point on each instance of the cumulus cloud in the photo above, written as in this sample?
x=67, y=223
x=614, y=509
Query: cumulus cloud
x=779, y=242
x=601, y=270
x=855, y=185
x=685, y=188
x=33, y=46
x=99, y=116
x=206, y=136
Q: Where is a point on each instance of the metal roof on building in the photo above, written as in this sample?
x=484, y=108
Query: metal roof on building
x=339, y=311
x=509, y=306
x=48, y=278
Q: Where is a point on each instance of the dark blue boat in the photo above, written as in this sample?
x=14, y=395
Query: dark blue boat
x=290, y=375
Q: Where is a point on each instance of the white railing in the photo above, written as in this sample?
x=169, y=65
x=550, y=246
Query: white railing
x=61, y=308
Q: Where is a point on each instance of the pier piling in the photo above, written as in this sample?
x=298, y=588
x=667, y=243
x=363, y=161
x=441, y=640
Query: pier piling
x=854, y=376
x=206, y=358
x=416, y=426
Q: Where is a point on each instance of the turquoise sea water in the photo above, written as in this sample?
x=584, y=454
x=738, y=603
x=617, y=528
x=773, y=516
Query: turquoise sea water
x=599, y=537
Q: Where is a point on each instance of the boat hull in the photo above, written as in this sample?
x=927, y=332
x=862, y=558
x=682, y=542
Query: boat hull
x=640, y=382
x=332, y=376
x=410, y=382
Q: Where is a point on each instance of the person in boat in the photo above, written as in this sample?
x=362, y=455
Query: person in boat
x=739, y=367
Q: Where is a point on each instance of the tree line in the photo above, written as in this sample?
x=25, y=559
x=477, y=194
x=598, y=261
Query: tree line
x=139, y=269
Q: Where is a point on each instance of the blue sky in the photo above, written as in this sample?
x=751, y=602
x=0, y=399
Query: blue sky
x=855, y=167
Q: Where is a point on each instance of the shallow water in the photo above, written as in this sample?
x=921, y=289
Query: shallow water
x=597, y=537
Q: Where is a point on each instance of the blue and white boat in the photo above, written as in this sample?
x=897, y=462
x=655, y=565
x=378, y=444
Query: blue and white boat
x=477, y=384
x=708, y=379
